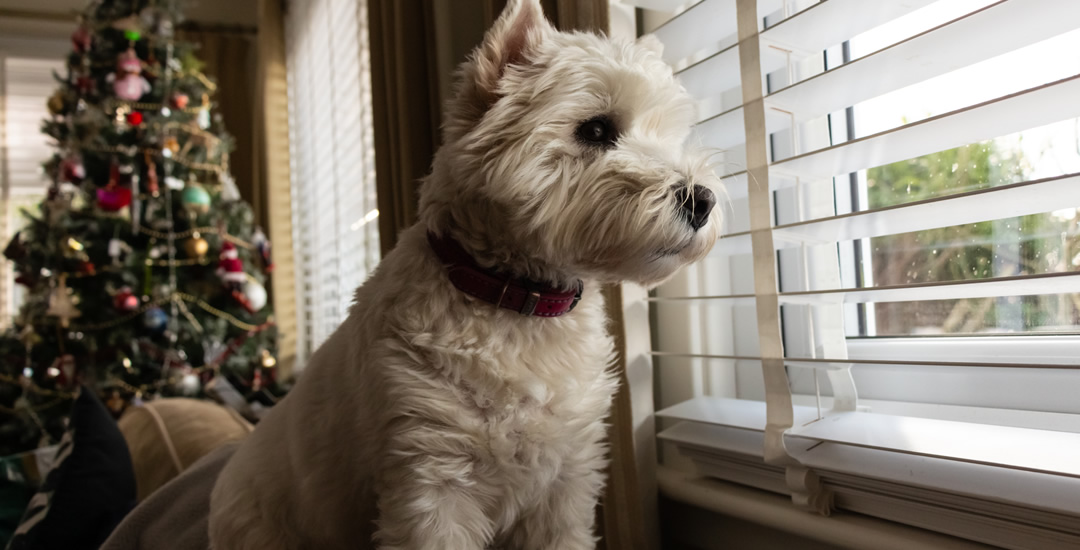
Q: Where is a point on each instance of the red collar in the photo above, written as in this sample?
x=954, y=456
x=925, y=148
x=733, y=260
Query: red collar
x=521, y=295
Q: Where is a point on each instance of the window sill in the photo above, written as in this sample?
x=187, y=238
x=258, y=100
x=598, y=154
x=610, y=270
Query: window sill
x=955, y=495
x=775, y=512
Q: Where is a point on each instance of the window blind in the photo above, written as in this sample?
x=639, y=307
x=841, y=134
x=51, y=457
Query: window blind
x=25, y=84
x=780, y=331
x=336, y=238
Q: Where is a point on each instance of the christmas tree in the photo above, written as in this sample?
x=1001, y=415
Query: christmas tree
x=144, y=274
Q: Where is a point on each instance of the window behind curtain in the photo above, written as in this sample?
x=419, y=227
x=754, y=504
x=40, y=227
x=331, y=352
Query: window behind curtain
x=336, y=235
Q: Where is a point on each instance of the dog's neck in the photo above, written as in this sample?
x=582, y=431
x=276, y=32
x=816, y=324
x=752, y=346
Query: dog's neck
x=502, y=290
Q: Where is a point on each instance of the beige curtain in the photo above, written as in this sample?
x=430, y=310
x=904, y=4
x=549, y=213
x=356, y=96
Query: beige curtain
x=271, y=194
x=229, y=53
x=406, y=135
x=249, y=68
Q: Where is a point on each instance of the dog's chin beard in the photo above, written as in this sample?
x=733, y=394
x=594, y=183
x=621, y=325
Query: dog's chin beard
x=676, y=249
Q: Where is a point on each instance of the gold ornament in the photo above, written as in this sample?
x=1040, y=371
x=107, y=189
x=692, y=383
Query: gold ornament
x=196, y=247
x=28, y=336
x=61, y=303
x=172, y=145
x=56, y=103
x=268, y=360
x=115, y=402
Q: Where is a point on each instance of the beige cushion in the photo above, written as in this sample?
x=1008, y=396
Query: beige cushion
x=166, y=436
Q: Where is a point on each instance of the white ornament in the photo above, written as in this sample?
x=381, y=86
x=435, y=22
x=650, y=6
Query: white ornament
x=176, y=184
x=229, y=191
x=189, y=384
x=256, y=295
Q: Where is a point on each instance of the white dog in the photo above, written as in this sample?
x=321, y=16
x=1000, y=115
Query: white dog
x=461, y=405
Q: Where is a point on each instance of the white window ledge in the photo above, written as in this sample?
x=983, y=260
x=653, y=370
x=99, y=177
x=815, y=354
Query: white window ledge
x=962, y=494
x=776, y=512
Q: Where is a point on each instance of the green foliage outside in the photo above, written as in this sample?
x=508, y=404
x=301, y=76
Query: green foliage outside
x=1039, y=243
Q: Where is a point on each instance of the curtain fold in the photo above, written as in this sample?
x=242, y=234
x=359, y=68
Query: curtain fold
x=407, y=117
x=407, y=113
x=229, y=55
x=272, y=195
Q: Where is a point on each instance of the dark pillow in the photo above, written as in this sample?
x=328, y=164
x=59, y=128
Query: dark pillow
x=21, y=476
x=89, y=490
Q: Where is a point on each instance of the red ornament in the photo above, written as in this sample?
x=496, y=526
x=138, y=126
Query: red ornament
x=113, y=197
x=125, y=300
x=85, y=84
x=64, y=371
x=72, y=170
x=180, y=100
x=87, y=268
x=81, y=39
x=134, y=118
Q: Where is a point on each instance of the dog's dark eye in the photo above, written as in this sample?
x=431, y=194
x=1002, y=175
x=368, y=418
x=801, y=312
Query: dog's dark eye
x=598, y=131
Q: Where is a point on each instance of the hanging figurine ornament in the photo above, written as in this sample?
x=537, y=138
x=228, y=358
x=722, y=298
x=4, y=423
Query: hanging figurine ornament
x=262, y=245
x=157, y=20
x=128, y=82
x=230, y=268
x=152, y=186
x=174, y=183
x=231, y=272
x=61, y=303
x=229, y=191
x=203, y=119
x=195, y=199
x=117, y=249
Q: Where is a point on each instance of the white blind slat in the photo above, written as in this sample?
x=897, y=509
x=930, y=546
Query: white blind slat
x=1013, y=448
x=992, y=31
x=1030, y=108
x=831, y=22
x=1008, y=201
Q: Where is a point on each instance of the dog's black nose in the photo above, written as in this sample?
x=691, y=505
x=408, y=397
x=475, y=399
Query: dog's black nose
x=695, y=203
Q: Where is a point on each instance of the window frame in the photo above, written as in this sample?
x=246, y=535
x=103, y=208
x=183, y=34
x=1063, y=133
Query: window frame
x=935, y=504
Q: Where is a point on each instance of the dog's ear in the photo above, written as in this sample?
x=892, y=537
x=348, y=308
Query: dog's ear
x=651, y=42
x=520, y=28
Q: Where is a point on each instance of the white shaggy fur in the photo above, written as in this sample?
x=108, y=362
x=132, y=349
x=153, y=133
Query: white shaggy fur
x=430, y=420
